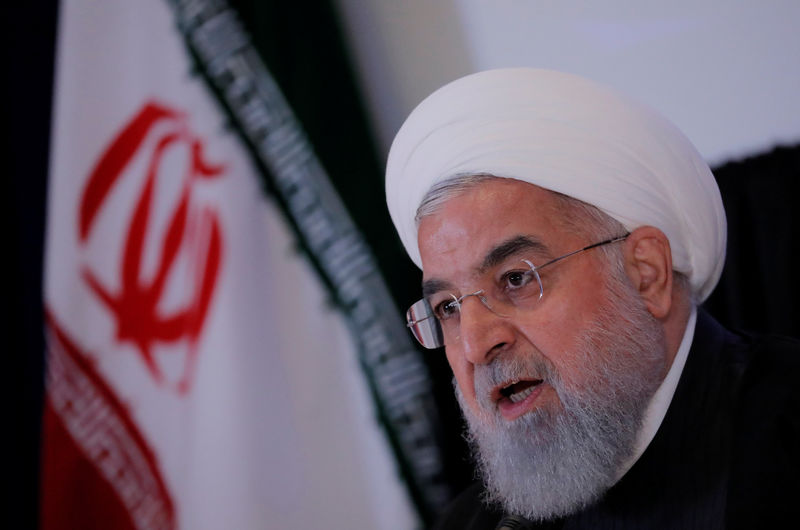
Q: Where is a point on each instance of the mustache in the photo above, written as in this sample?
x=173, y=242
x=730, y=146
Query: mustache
x=505, y=369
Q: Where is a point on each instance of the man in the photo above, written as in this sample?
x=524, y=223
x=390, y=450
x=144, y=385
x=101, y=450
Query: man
x=566, y=235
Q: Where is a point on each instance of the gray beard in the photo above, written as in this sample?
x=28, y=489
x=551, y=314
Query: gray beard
x=554, y=460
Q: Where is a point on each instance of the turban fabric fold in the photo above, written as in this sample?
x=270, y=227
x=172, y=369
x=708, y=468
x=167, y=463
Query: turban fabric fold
x=567, y=134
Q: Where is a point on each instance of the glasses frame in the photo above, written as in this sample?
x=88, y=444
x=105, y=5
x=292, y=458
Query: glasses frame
x=437, y=332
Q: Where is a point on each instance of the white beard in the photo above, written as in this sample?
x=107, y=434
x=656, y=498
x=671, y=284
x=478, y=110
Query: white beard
x=555, y=460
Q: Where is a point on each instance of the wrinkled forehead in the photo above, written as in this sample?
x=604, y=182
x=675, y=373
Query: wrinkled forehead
x=483, y=225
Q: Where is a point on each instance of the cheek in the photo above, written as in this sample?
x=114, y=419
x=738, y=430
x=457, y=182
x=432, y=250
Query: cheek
x=557, y=332
x=463, y=372
x=572, y=305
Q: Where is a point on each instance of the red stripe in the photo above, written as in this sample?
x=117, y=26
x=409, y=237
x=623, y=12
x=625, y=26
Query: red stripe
x=98, y=471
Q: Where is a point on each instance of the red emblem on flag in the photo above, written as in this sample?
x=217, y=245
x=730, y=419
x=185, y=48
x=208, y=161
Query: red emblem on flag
x=191, y=232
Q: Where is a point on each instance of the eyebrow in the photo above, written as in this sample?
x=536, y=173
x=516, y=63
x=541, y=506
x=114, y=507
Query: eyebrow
x=510, y=247
x=433, y=286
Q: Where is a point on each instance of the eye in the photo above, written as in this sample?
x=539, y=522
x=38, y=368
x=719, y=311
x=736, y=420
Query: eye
x=446, y=309
x=513, y=280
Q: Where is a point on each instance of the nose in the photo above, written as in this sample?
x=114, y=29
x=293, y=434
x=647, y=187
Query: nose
x=483, y=333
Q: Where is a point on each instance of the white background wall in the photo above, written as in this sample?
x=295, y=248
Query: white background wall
x=727, y=73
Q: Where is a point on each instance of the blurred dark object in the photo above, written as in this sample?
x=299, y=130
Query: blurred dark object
x=760, y=285
x=28, y=53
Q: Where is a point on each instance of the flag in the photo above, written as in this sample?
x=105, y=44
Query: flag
x=201, y=372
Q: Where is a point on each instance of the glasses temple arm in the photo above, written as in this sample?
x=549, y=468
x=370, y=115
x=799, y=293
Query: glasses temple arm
x=593, y=245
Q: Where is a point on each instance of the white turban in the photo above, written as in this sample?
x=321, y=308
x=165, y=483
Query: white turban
x=569, y=135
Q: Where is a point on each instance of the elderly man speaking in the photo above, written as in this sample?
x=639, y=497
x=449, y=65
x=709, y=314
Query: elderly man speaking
x=566, y=235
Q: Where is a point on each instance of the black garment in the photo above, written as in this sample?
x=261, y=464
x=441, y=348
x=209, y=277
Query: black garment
x=727, y=454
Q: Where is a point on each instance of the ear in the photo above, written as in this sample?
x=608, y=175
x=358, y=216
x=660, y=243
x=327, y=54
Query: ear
x=648, y=264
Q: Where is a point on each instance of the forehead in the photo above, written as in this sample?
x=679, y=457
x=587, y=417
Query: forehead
x=472, y=223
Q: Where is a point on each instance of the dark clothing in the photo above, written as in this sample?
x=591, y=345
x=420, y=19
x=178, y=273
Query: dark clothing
x=726, y=455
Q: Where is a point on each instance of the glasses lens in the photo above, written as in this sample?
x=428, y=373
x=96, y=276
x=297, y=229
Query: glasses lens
x=424, y=325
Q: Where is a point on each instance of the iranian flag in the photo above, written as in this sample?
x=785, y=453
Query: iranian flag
x=197, y=376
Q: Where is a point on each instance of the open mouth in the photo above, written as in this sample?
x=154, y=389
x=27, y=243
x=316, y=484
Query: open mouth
x=518, y=390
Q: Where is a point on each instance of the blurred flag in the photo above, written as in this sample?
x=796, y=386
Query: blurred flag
x=197, y=374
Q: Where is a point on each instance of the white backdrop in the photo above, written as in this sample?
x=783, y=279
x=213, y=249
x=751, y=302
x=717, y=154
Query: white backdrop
x=726, y=73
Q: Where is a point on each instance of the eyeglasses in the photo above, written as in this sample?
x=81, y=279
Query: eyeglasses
x=430, y=320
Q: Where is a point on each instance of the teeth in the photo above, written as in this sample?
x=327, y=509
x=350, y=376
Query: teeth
x=508, y=389
x=519, y=396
